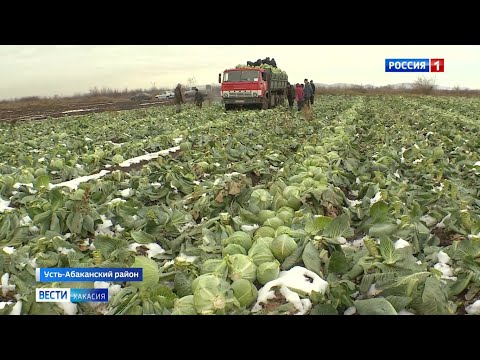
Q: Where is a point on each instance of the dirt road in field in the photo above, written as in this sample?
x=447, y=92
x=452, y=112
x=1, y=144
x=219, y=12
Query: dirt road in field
x=35, y=112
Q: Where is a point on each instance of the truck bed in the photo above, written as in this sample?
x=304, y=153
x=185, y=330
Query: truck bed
x=278, y=81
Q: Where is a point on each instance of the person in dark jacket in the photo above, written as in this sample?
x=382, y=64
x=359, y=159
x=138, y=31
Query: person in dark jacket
x=290, y=95
x=198, y=98
x=179, y=99
x=299, y=92
x=307, y=93
x=313, y=91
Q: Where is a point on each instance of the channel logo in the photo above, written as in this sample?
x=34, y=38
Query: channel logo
x=71, y=295
x=414, y=65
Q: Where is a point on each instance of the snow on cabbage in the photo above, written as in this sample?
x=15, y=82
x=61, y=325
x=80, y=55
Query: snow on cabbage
x=369, y=207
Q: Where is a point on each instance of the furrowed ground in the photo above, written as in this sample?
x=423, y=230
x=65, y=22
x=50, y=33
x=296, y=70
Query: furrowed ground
x=368, y=206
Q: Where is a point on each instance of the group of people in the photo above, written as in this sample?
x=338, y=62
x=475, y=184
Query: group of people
x=179, y=98
x=264, y=61
x=304, y=94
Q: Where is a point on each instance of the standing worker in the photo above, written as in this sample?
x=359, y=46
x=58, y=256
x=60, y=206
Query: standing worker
x=198, y=98
x=299, y=91
x=313, y=91
x=290, y=95
x=178, y=98
x=307, y=93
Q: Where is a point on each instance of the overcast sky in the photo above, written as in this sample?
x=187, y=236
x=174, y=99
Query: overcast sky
x=46, y=70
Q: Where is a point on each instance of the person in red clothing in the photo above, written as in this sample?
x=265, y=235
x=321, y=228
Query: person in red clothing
x=299, y=91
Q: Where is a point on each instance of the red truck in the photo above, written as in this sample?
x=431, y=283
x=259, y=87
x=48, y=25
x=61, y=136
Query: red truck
x=253, y=86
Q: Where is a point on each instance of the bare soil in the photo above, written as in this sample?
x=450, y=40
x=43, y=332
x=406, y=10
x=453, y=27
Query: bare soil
x=39, y=110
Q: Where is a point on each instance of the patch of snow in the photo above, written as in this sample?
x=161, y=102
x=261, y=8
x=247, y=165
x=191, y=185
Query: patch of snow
x=101, y=284
x=373, y=291
x=297, y=278
x=446, y=270
x=400, y=244
x=4, y=303
x=25, y=220
x=154, y=249
x=9, y=250
x=350, y=311
x=78, y=110
x=73, y=184
x=341, y=240
x=148, y=156
x=68, y=308
x=428, y=220
x=473, y=309
x=353, y=203
x=115, y=144
x=249, y=227
x=114, y=290
x=104, y=228
x=17, y=185
x=126, y=193
x=116, y=200
x=5, y=287
x=443, y=258
x=187, y=226
x=17, y=308
x=358, y=243
x=133, y=246
x=65, y=251
x=185, y=258
x=302, y=305
x=441, y=224
x=376, y=198
x=168, y=263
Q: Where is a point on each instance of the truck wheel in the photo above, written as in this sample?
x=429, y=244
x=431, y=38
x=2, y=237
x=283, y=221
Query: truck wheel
x=265, y=103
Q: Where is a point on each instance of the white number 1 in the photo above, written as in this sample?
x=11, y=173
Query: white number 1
x=437, y=64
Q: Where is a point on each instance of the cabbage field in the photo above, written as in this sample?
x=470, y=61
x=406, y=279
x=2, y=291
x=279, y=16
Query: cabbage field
x=368, y=206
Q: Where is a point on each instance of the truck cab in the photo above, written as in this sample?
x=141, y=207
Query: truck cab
x=257, y=87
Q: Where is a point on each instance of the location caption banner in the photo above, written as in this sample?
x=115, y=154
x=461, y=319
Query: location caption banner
x=88, y=274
